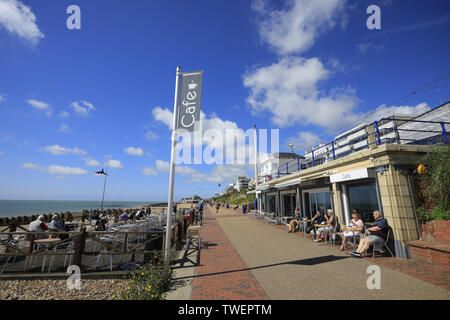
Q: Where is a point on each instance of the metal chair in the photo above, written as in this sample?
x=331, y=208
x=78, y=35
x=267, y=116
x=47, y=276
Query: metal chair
x=385, y=244
x=18, y=246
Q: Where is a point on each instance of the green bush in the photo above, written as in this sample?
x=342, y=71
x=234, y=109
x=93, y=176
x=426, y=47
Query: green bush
x=436, y=180
x=149, y=282
x=437, y=213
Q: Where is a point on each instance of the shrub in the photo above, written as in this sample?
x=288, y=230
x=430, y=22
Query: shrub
x=436, y=178
x=149, y=282
x=437, y=213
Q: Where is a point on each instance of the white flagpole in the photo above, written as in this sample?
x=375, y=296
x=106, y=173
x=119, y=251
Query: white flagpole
x=172, y=168
x=256, y=168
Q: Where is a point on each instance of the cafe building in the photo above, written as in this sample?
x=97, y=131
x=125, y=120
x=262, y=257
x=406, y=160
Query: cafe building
x=372, y=170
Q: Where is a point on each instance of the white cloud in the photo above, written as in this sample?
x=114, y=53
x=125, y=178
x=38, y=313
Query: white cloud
x=65, y=128
x=221, y=173
x=2, y=97
x=82, y=108
x=364, y=47
x=289, y=91
x=163, y=115
x=150, y=135
x=149, y=171
x=1, y=153
x=134, y=151
x=18, y=19
x=164, y=166
x=31, y=165
x=385, y=111
x=302, y=140
x=111, y=163
x=58, y=150
x=55, y=169
x=221, y=127
x=91, y=162
x=295, y=29
x=40, y=105
x=64, y=114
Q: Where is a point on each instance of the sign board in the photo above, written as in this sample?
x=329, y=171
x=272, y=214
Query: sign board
x=189, y=102
x=350, y=175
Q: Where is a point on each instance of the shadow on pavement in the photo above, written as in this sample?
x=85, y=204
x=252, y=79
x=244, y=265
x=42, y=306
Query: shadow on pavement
x=307, y=262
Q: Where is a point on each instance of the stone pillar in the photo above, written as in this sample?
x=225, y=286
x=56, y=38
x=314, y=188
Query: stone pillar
x=397, y=205
x=339, y=213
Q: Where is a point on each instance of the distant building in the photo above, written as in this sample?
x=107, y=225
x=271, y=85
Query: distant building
x=230, y=187
x=274, y=161
x=241, y=183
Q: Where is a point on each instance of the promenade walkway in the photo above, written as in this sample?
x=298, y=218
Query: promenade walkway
x=248, y=259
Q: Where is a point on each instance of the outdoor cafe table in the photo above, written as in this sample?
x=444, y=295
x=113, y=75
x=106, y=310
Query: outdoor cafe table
x=353, y=229
x=46, y=242
x=323, y=226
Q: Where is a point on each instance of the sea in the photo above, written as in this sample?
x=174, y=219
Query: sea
x=12, y=208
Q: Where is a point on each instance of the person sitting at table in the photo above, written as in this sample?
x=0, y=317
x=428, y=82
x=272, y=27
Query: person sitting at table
x=376, y=235
x=329, y=220
x=56, y=224
x=356, y=222
x=38, y=225
x=296, y=221
x=69, y=216
x=139, y=214
x=102, y=221
x=124, y=216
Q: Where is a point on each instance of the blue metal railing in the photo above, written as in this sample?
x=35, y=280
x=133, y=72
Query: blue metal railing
x=375, y=134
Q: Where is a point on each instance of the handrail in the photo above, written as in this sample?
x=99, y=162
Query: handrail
x=334, y=150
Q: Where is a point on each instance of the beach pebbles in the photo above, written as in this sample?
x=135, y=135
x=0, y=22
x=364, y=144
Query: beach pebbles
x=103, y=289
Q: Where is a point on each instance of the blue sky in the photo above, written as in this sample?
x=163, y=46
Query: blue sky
x=68, y=98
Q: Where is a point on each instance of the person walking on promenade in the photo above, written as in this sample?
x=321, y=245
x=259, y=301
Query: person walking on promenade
x=217, y=207
x=294, y=222
x=376, y=235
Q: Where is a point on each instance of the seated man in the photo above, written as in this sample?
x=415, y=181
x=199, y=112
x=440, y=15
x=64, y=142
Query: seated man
x=38, y=225
x=356, y=223
x=376, y=235
x=56, y=224
x=329, y=220
x=294, y=222
x=124, y=216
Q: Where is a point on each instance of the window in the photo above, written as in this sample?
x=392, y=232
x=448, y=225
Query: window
x=270, y=204
x=363, y=199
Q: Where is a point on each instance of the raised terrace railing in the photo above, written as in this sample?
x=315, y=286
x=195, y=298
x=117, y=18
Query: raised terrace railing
x=55, y=251
x=384, y=131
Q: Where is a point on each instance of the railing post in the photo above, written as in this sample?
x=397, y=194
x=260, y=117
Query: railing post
x=79, y=247
x=298, y=164
x=332, y=147
x=378, y=133
x=313, y=162
x=444, y=133
x=278, y=173
x=287, y=168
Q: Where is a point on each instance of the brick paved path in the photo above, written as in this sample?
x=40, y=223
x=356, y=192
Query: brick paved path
x=249, y=259
x=222, y=273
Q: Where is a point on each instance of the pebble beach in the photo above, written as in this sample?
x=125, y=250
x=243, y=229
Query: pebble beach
x=91, y=289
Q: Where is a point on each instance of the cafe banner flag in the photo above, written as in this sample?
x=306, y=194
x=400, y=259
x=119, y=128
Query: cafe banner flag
x=189, y=102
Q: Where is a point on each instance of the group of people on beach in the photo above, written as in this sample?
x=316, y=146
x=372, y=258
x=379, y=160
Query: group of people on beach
x=376, y=235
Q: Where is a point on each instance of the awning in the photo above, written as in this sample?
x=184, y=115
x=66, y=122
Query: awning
x=265, y=187
x=251, y=192
x=288, y=183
